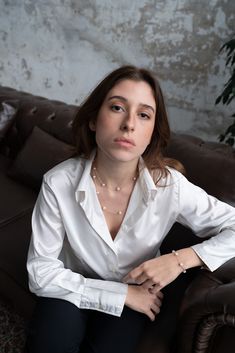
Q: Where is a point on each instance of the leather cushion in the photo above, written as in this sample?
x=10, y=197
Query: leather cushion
x=208, y=167
x=16, y=199
x=40, y=153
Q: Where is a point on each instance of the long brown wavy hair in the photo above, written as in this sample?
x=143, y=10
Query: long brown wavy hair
x=84, y=137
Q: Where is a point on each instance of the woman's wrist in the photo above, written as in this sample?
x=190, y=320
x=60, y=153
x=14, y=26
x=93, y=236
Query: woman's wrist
x=187, y=258
x=180, y=264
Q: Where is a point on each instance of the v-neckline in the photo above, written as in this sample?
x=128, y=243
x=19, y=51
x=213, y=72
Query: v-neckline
x=126, y=216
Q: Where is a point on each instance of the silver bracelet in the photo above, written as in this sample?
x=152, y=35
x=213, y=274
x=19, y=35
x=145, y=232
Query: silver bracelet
x=179, y=263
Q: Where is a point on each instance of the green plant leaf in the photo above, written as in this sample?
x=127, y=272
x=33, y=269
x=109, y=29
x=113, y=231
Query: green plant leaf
x=228, y=90
x=230, y=45
x=230, y=99
x=221, y=137
x=230, y=130
x=233, y=60
x=230, y=141
x=218, y=99
x=228, y=93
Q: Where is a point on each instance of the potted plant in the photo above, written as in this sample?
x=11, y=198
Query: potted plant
x=228, y=93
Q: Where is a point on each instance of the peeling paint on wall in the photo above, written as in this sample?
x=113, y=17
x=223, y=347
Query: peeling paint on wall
x=61, y=48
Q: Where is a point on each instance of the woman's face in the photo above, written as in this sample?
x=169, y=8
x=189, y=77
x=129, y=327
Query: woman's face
x=125, y=121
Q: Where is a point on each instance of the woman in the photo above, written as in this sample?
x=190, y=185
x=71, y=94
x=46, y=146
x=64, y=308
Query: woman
x=100, y=218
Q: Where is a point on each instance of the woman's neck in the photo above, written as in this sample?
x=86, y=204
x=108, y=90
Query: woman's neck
x=115, y=173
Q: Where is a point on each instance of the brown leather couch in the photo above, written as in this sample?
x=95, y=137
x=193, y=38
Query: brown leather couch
x=198, y=306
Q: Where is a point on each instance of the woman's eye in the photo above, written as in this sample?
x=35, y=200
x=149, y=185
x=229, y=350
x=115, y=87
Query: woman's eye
x=116, y=108
x=144, y=116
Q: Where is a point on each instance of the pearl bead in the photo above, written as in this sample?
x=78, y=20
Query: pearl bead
x=119, y=212
x=118, y=188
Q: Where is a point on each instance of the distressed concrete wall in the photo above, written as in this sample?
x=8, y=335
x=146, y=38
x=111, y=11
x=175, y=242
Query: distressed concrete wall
x=62, y=48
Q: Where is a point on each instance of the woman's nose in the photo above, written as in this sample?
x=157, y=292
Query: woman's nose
x=128, y=124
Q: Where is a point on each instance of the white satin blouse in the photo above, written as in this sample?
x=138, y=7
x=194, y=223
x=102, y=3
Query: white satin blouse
x=72, y=255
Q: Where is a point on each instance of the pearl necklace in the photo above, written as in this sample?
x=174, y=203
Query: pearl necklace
x=95, y=177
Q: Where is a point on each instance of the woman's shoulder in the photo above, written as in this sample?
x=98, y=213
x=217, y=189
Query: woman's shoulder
x=167, y=171
x=174, y=176
x=170, y=176
x=70, y=169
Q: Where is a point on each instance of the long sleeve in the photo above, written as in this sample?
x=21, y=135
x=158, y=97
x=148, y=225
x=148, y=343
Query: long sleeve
x=47, y=274
x=207, y=217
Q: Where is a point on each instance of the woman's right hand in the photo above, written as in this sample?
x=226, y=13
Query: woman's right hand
x=143, y=300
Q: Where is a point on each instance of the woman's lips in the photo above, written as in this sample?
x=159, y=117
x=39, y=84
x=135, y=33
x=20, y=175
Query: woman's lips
x=125, y=142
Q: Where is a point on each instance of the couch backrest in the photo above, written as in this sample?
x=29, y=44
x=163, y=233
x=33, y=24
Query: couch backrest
x=52, y=116
x=210, y=165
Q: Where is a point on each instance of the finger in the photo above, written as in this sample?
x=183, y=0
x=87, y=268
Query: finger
x=149, y=284
x=151, y=315
x=160, y=295
x=155, y=308
x=156, y=292
x=156, y=289
x=141, y=279
x=156, y=299
x=131, y=276
x=158, y=302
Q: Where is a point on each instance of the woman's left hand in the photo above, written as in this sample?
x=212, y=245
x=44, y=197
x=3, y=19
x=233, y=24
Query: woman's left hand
x=155, y=274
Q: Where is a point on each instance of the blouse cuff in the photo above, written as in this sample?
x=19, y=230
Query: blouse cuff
x=210, y=262
x=109, y=300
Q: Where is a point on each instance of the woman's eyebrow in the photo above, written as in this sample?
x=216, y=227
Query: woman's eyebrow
x=148, y=107
x=126, y=100
x=118, y=97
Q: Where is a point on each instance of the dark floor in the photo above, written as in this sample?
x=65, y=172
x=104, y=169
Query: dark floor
x=12, y=330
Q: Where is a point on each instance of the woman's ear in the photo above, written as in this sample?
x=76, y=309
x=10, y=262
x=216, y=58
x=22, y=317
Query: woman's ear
x=92, y=125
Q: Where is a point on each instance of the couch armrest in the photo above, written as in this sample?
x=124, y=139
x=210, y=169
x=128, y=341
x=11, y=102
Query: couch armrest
x=226, y=272
x=207, y=306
